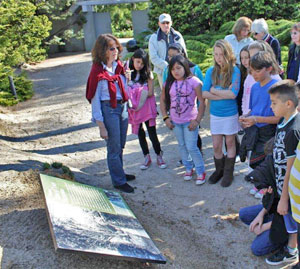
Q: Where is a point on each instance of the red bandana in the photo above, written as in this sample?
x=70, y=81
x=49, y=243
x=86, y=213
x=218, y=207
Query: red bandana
x=98, y=73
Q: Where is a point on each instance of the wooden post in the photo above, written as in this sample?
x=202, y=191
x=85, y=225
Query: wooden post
x=12, y=87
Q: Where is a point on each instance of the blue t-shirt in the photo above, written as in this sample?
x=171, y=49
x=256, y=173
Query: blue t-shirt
x=260, y=101
x=224, y=107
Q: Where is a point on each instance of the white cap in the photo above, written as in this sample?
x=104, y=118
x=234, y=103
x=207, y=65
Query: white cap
x=164, y=17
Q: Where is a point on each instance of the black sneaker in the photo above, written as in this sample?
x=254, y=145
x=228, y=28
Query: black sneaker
x=125, y=188
x=282, y=256
x=130, y=177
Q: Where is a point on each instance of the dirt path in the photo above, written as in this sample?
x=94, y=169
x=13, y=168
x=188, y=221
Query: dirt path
x=193, y=226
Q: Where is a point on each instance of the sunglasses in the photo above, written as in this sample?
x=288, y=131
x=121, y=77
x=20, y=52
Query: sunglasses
x=113, y=48
x=255, y=33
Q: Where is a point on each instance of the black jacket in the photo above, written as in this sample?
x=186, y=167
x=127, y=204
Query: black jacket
x=290, y=59
x=274, y=43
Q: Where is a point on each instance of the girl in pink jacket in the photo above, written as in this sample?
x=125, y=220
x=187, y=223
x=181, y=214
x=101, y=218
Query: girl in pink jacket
x=142, y=108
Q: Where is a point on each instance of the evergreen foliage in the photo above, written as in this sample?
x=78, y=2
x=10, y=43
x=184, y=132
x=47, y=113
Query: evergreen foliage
x=194, y=17
x=21, y=36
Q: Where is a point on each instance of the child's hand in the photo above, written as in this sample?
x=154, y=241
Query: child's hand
x=128, y=73
x=150, y=93
x=193, y=125
x=259, y=230
x=248, y=121
x=267, y=190
x=169, y=123
x=283, y=207
x=256, y=223
x=212, y=90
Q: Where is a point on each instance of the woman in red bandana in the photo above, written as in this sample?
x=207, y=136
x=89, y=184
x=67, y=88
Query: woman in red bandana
x=107, y=93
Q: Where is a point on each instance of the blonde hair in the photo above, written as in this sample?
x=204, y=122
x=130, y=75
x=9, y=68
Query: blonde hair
x=264, y=46
x=241, y=23
x=222, y=75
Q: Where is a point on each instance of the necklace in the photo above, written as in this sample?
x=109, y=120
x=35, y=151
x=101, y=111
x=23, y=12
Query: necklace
x=182, y=106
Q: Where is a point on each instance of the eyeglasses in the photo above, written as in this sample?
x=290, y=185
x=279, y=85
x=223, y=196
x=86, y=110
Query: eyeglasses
x=165, y=22
x=113, y=48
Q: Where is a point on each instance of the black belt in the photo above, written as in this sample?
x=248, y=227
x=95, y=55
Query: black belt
x=119, y=101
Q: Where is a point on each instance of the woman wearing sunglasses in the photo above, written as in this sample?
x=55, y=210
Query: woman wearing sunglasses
x=260, y=31
x=106, y=91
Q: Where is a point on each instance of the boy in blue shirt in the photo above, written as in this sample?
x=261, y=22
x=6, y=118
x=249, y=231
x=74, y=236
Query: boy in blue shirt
x=260, y=123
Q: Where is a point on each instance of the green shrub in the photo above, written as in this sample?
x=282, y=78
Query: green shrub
x=194, y=17
x=21, y=36
x=23, y=88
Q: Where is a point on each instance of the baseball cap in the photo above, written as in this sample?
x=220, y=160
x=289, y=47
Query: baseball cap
x=164, y=17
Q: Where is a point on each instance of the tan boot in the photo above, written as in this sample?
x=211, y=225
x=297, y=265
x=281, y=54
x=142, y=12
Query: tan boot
x=228, y=172
x=217, y=175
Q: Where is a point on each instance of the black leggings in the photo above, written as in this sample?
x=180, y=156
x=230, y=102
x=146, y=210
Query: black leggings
x=153, y=137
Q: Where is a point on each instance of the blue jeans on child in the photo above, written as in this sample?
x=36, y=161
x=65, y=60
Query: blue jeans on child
x=116, y=127
x=262, y=244
x=187, y=143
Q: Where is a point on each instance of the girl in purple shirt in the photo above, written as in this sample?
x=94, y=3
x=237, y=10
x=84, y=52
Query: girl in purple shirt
x=178, y=97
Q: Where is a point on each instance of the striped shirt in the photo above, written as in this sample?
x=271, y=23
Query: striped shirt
x=294, y=186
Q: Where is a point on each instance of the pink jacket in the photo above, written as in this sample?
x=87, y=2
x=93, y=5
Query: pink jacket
x=143, y=107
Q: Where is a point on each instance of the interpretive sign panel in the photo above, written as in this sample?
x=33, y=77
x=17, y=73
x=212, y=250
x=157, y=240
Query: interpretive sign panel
x=90, y=219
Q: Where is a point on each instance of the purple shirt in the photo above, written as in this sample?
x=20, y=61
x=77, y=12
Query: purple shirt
x=183, y=100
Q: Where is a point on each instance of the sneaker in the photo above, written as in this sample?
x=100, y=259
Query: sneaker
x=249, y=178
x=259, y=194
x=188, y=175
x=160, y=162
x=125, y=188
x=146, y=163
x=179, y=163
x=282, y=256
x=253, y=191
x=200, y=179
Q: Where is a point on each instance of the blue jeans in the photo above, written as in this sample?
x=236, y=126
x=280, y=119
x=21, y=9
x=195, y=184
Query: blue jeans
x=187, y=143
x=262, y=244
x=116, y=128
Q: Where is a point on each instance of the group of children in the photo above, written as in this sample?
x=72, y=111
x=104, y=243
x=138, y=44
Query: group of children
x=268, y=110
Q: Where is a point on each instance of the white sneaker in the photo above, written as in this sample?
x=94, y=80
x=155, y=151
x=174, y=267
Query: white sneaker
x=200, y=179
x=253, y=191
x=188, y=175
x=259, y=194
x=160, y=162
x=146, y=163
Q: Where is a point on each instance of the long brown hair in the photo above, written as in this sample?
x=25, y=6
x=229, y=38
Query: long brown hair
x=264, y=46
x=102, y=45
x=179, y=59
x=222, y=75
